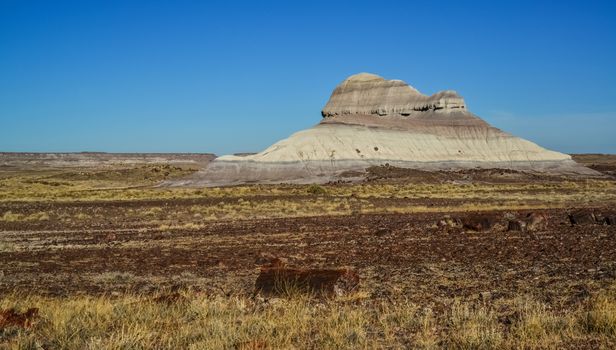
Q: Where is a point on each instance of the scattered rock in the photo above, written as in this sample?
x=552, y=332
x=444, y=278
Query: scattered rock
x=382, y=231
x=516, y=225
x=510, y=216
x=536, y=221
x=479, y=222
x=281, y=281
x=12, y=318
x=605, y=218
x=582, y=217
x=449, y=222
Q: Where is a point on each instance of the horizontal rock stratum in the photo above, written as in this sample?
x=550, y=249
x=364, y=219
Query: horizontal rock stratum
x=369, y=121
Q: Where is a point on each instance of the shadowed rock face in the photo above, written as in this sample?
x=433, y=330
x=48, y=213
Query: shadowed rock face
x=371, y=121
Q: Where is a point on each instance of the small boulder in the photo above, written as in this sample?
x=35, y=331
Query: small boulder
x=449, y=222
x=13, y=318
x=582, y=217
x=479, y=222
x=610, y=219
x=516, y=225
x=536, y=221
x=382, y=231
x=605, y=218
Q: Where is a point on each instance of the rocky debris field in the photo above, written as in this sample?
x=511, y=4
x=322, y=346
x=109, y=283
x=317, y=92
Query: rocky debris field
x=422, y=256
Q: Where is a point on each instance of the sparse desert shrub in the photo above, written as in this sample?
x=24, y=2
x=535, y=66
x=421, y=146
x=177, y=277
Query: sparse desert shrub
x=82, y=216
x=152, y=211
x=7, y=247
x=316, y=189
x=10, y=217
x=40, y=216
x=13, y=217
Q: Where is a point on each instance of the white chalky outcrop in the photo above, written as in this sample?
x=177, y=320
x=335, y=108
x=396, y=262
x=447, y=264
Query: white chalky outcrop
x=372, y=121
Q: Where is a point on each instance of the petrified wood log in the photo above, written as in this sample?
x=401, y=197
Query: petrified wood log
x=582, y=217
x=278, y=281
x=479, y=222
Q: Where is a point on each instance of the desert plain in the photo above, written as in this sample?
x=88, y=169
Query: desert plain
x=95, y=253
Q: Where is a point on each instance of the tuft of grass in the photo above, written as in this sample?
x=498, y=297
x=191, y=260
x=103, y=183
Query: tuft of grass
x=474, y=327
x=40, y=216
x=82, y=216
x=539, y=327
x=7, y=247
x=601, y=317
x=14, y=217
x=10, y=217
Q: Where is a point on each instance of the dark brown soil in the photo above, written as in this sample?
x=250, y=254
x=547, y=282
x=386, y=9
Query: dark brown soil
x=396, y=256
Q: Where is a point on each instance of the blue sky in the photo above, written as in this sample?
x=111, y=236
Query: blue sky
x=224, y=77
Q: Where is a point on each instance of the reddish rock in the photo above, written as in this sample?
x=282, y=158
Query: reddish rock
x=479, y=222
x=12, y=318
x=536, y=221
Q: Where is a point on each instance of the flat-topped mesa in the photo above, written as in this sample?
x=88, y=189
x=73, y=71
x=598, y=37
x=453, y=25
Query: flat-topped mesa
x=370, y=94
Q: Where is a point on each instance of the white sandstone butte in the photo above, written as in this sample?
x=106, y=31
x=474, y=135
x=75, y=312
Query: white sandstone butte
x=371, y=121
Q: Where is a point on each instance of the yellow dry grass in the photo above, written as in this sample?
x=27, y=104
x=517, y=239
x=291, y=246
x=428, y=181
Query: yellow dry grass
x=201, y=322
x=139, y=183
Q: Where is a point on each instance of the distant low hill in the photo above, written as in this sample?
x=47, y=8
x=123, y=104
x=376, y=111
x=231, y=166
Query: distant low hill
x=20, y=159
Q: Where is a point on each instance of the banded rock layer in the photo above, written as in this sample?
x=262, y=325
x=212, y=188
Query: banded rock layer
x=372, y=121
x=370, y=94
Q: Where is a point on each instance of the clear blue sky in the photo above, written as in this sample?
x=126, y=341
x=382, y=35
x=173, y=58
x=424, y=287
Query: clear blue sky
x=223, y=77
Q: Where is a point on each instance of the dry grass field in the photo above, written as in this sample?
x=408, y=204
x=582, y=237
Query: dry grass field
x=104, y=258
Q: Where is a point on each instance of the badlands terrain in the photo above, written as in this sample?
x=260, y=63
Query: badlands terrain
x=370, y=121
x=94, y=253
